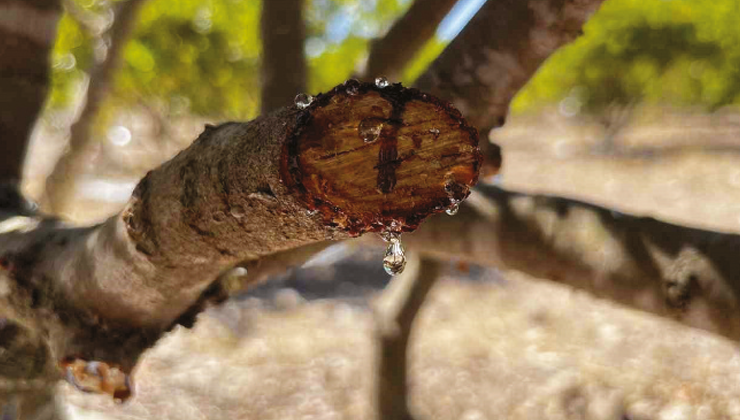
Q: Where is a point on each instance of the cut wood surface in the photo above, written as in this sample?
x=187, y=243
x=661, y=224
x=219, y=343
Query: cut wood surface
x=371, y=158
x=241, y=191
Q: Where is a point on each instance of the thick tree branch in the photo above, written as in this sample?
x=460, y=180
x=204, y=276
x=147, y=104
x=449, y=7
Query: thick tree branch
x=689, y=275
x=61, y=182
x=283, y=59
x=240, y=192
x=390, y=54
x=497, y=53
x=27, y=31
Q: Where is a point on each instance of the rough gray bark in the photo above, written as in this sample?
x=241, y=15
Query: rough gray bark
x=391, y=53
x=688, y=275
x=497, y=53
x=27, y=33
x=242, y=191
x=283, y=60
x=61, y=181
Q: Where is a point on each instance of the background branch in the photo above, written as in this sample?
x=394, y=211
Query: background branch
x=283, y=59
x=499, y=50
x=688, y=275
x=399, y=307
x=391, y=53
x=60, y=183
x=27, y=33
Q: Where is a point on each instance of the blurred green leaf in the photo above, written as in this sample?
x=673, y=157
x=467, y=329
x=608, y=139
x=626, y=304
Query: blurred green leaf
x=678, y=52
x=203, y=56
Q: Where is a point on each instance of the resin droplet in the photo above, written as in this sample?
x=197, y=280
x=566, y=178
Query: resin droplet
x=353, y=88
x=434, y=131
x=237, y=212
x=395, y=260
x=369, y=129
x=390, y=236
x=302, y=100
x=456, y=193
x=381, y=82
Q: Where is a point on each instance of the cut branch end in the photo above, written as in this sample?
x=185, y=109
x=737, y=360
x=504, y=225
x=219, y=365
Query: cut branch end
x=369, y=158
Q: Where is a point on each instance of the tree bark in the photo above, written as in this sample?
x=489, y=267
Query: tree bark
x=497, y=53
x=240, y=192
x=61, y=182
x=390, y=54
x=27, y=33
x=688, y=275
x=283, y=59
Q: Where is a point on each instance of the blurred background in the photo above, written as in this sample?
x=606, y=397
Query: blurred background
x=639, y=114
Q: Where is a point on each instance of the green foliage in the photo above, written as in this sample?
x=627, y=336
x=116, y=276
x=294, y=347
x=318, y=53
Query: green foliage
x=681, y=52
x=72, y=52
x=339, y=33
x=335, y=64
x=203, y=56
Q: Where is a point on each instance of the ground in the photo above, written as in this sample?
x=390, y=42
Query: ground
x=504, y=345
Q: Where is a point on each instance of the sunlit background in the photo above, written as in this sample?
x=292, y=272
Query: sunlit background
x=639, y=114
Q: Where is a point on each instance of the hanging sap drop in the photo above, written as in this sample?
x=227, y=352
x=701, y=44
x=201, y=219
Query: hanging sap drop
x=452, y=210
x=381, y=82
x=369, y=129
x=395, y=260
x=302, y=100
x=391, y=235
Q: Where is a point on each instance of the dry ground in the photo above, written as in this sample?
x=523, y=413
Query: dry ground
x=508, y=347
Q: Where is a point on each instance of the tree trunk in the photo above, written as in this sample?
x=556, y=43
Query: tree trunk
x=402, y=303
x=283, y=59
x=27, y=33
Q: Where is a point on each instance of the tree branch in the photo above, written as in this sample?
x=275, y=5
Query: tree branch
x=240, y=192
x=689, y=275
x=390, y=54
x=61, y=182
x=497, y=53
x=283, y=59
x=27, y=32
